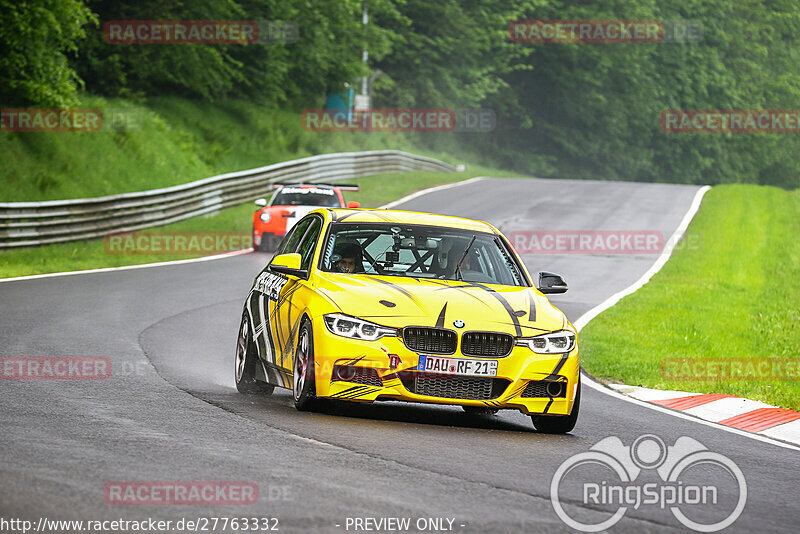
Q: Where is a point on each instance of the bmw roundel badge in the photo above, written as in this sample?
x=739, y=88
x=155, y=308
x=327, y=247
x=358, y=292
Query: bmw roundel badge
x=458, y=323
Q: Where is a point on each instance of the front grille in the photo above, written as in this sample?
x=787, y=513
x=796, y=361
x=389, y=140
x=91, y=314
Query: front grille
x=430, y=340
x=538, y=388
x=358, y=375
x=489, y=344
x=453, y=386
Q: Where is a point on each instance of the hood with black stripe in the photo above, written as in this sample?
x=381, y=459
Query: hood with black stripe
x=403, y=301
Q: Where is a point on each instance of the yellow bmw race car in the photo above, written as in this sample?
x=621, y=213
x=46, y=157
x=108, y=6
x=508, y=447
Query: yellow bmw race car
x=365, y=305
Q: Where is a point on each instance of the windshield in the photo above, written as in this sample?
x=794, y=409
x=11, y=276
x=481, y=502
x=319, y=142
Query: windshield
x=306, y=196
x=419, y=252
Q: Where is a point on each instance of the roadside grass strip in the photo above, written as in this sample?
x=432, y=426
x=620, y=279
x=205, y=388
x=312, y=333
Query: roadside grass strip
x=721, y=317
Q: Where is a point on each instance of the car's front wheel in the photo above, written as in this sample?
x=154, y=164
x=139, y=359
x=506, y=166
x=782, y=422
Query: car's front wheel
x=303, y=375
x=245, y=370
x=559, y=424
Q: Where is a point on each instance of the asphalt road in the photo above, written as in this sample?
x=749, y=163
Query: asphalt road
x=170, y=412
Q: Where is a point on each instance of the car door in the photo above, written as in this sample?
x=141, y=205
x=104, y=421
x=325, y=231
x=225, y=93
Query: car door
x=296, y=293
x=265, y=302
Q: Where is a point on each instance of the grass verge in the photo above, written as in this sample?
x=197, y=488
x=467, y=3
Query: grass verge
x=171, y=141
x=92, y=254
x=717, y=310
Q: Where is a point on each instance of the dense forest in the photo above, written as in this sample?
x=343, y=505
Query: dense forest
x=569, y=109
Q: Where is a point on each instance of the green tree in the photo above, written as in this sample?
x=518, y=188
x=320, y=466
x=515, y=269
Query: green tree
x=446, y=53
x=193, y=70
x=35, y=38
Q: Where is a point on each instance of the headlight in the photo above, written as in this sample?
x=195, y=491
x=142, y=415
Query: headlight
x=552, y=343
x=346, y=326
x=266, y=216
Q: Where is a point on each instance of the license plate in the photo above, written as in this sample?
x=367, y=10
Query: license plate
x=457, y=366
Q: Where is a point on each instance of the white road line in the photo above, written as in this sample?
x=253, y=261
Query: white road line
x=787, y=431
x=128, y=267
x=412, y=196
x=589, y=381
x=662, y=259
x=647, y=394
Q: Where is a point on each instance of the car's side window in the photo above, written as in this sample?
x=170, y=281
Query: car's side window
x=307, y=245
x=289, y=244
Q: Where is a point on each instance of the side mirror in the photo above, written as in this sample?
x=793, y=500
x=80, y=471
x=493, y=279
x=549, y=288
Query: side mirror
x=287, y=264
x=550, y=283
x=353, y=204
x=261, y=202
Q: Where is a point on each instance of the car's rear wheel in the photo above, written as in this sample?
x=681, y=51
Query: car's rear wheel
x=559, y=424
x=246, y=361
x=303, y=380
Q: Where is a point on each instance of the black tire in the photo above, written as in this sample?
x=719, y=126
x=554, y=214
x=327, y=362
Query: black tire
x=264, y=244
x=246, y=361
x=304, y=387
x=480, y=410
x=559, y=424
x=269, y=243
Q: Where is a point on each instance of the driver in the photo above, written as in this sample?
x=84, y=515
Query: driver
x=470, y=263
x=350, y=258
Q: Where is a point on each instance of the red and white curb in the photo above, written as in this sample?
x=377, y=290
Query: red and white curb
x=728, y=410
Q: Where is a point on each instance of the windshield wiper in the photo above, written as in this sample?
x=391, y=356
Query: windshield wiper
x=464, y=255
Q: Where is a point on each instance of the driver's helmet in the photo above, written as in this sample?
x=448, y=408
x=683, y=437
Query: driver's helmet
x=348, y=251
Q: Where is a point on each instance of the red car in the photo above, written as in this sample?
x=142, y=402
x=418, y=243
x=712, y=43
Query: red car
x=289, y=204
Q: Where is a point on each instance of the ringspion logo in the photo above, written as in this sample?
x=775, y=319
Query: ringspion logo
x=692, y=482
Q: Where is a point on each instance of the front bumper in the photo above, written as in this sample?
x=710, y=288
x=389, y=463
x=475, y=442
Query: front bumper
x=378, y=379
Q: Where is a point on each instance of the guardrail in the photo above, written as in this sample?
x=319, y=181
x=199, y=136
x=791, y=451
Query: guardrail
x=25, y=224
